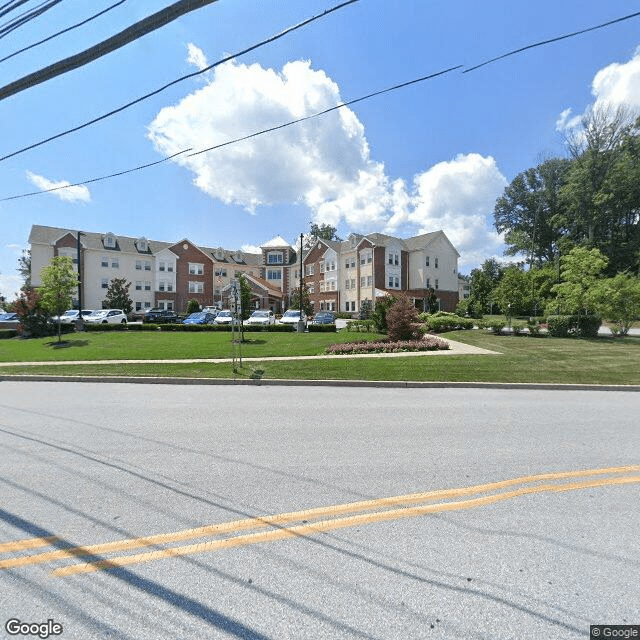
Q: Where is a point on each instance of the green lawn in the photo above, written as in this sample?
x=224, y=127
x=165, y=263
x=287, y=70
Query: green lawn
x=522, y=359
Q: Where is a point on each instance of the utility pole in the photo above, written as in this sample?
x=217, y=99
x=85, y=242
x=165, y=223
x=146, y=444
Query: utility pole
x=80, y=320
x=300, y=321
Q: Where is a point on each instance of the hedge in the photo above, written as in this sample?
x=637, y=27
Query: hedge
x=322, y=328
x=386, y=346
x=559, y=326
x=8, y=333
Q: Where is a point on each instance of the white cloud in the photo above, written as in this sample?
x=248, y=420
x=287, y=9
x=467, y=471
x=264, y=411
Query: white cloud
x=69, y=194
x=617, y=84
x=250, y=248
x=196, y=57
x=456, y=196
x=323, y=163
x=10, y=286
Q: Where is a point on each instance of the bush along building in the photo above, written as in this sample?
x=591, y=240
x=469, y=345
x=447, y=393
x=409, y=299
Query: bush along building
x=339, y=276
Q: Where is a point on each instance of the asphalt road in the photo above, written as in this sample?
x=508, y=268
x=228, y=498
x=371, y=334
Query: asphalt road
x=500, y=555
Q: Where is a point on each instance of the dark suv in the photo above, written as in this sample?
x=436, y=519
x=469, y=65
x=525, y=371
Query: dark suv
x=158, y=316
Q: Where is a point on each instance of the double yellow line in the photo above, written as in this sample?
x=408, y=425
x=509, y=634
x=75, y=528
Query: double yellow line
x=312, y=521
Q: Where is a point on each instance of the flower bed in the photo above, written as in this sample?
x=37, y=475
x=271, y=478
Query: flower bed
x=385, y=346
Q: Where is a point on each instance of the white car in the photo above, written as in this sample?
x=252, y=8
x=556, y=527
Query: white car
x=107, y=316
x=69, y=317
x=292, y=316
x=225, y=317
x=261, y=317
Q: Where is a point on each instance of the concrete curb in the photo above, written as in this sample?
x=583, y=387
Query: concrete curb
x=392, y=384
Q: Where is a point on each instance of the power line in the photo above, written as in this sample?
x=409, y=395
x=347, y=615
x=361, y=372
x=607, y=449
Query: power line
x=544, y=42
x=135, y=31
x=181, y=79
x=356, y=100
x=27, y=16
x=59, y=33
x=230, y=142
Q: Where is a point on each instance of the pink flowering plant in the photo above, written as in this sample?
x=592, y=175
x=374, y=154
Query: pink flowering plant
x=387, y=346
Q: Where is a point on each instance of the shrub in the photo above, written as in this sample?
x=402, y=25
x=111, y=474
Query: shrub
x=534, y=327
x=559, y=326
x=322, y=328
x=402, y=319
x=496, y=325
x=588, y=326
x=387, y=346
x=8, y=333
x=518, y=328
x=360, y=325
x=192, y=306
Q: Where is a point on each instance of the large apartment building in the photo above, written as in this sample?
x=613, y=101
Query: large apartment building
x=339, y=275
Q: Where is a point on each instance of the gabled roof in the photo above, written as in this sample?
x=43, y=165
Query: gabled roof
x=276, y=243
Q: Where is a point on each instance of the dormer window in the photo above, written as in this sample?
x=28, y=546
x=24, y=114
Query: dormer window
x=218, y=254
x=237, y=256
x=110, y=241
x=142, y=245
x=275, y=257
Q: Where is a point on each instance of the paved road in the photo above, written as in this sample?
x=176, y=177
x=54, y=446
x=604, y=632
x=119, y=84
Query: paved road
x=500, y=555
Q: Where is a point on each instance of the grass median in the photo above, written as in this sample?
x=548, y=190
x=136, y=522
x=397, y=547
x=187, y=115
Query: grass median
x=602, y=360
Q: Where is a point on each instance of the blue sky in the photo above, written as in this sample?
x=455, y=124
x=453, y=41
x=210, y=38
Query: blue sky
x=431, y=156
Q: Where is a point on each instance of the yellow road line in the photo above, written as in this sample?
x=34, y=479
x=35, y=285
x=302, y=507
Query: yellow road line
x=29, y=543
x=336, y=523
x=284, y=518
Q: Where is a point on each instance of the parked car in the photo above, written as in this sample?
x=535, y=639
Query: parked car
x=9, y=317
x=226, y=317
x=261, y=317
x=159, y=316
x=324, y=317
x=69, y=317
x=292, y=316
x=200, y=317
x=107, y=316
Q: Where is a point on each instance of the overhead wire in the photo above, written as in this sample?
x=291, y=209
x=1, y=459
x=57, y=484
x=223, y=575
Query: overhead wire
x=63, y=31
x=315, y=115
x=8, y=7
x=124, y=37
x=104, y=116
x=26, y=17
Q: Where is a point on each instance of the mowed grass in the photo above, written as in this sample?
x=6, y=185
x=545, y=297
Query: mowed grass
x=523, y=359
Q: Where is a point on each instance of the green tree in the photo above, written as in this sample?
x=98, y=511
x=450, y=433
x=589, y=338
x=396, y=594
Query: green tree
x=366, y=307
x=193, y=306
x=579, y=273
x=483, y=281
x=24, y=267
x=379, y=315
x=324, y=232
x=118, y=296
x=617, y=299
x=513, y=292
x=59, y=282
x=529, y=209
x=307, y=307
x=601, y=196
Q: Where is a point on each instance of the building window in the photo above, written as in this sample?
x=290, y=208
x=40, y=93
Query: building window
x=426, y=261
x=170, y=286
x=353, y=305
x=273, y=274
x=353, y=283
x=138, y=286
x=104, y=262
x=196, y=287
x=169, y=267
x=436, y=284
x=161, y=266
x=138, y=265
x=115, y=263
x=147, y=305
x=105, y=283
x=310, y=269
x=275, y=257
x=435, y=263
x=369, y=281
x=311, y=288
x=363, y=281
x=322, y=286
x=397, y=282
x=110, y=242
x=147, y=286
x=346, y=263
x=346, y=306
x=147, y=266
x=161, y=286
x=196, y=269
x=390, y=282
x=138, y=306
x=321, y=266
